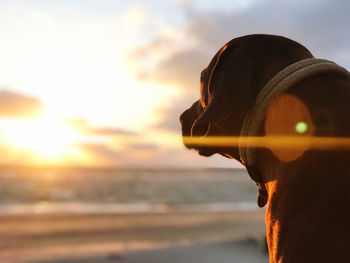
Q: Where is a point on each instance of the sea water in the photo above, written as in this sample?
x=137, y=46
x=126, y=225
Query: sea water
x=96, y=190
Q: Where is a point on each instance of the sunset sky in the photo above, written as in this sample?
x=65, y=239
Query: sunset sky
x=103, y=82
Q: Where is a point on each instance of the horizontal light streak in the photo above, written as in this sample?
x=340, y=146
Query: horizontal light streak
x=282, y=142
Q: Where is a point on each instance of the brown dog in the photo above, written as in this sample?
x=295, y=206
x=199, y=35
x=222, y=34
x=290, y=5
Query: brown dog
x=306, y=189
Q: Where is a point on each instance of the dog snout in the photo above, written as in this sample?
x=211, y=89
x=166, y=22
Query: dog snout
x=186, y=123
x=189, y=116
x=192, y=127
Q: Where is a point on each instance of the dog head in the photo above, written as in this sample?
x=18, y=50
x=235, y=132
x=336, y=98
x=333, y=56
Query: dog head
x=230, y=85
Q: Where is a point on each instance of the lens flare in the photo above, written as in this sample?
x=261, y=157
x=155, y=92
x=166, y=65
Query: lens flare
x=301, y=127
x=283, y=142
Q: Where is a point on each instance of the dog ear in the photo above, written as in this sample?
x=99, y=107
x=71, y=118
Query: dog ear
x=230, y=91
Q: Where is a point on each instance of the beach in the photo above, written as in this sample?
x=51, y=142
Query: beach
x=61, y=215
x=136, y=237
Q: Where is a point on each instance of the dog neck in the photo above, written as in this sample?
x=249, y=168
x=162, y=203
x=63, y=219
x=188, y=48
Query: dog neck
x=275, y=87
x=307, y=209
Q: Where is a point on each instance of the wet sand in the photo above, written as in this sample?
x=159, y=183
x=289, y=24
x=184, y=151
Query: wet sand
x=132, y=238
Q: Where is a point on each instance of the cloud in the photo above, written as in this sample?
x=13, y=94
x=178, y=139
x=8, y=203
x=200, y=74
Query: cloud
x=100, y=154
x=321, y=26
x=109, y=132
x=170, y=118
x=179, y=157
x=170, y=60
x=135, y=154
x=18, y=105
x=11, y=156
x=183, y=68
x=86, y=128
x=150, y=155
x=170, y=114
x=143, y=147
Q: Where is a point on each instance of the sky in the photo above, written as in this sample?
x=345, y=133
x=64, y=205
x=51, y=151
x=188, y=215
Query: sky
x=103, y=82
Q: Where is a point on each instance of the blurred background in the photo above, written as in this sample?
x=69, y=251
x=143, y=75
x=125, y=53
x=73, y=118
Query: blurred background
x=92, y=163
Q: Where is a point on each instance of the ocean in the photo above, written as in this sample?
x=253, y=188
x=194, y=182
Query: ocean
x=86, y=215
x=93, y=190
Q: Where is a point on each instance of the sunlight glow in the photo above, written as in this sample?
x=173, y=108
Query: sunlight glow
x=47, y=140
x=78, y=68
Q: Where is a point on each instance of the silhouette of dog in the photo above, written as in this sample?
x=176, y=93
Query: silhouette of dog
x=307, y=189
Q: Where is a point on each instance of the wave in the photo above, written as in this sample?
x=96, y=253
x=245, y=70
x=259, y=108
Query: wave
x=98, y=208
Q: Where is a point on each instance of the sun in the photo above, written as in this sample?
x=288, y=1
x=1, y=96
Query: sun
x=47, y=140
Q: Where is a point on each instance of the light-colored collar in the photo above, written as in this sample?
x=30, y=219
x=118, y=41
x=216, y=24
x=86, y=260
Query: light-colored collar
x=279, y=84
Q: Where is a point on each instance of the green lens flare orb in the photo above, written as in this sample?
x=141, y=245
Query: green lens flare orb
x=301, y=127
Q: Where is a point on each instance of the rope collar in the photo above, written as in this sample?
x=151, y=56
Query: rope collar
x=276, y=86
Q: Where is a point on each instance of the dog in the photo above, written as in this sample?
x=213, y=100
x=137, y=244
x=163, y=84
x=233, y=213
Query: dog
x=306, y=189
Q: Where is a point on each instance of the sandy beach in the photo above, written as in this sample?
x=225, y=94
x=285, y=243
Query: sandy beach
x=131, y=238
